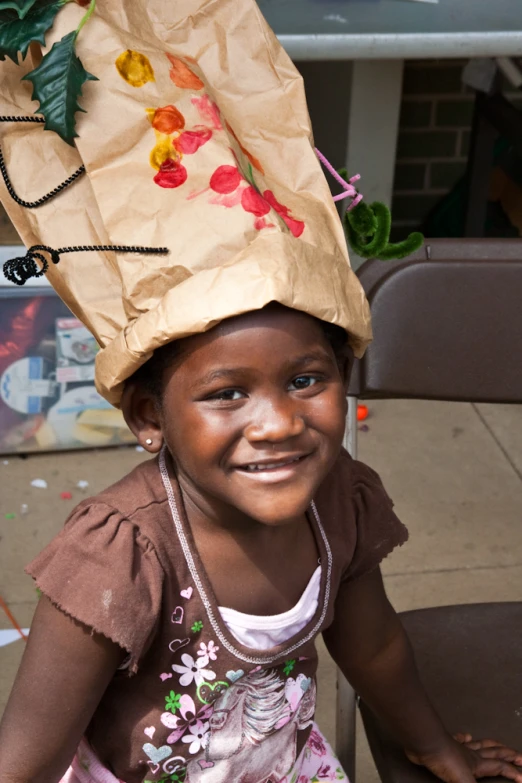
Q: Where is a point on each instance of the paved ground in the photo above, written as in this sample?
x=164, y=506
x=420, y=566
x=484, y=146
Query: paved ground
x=454, y=471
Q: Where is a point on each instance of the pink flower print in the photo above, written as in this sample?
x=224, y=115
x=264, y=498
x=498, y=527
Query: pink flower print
x=209, y=650
x=197, y=736
x=189, y=142
x=193, y=670
x=187, y=718
x=208, y=111
x=316, y=744
x=325, y=771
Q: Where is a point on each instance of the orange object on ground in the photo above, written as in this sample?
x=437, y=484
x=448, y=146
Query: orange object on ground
x=362, y=412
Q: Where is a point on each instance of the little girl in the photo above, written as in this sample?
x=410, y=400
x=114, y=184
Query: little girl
x=175, y=636
x=176, y=632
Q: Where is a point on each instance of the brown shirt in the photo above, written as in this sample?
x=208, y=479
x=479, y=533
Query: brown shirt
x=200, y=704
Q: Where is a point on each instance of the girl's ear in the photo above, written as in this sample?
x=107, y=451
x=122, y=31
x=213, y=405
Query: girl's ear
x=142, y=414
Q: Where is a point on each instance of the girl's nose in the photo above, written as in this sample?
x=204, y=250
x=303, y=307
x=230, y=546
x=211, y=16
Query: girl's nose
x=275, y=423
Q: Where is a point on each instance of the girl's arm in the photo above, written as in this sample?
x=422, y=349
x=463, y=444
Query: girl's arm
x=63, y=675
x=371, y=648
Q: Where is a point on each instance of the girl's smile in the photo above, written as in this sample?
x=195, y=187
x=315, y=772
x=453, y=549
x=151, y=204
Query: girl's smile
x=253, y=413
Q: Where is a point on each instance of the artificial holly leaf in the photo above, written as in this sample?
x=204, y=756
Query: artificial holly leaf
x=21, y=7
x=16, y=34
x=57, y=84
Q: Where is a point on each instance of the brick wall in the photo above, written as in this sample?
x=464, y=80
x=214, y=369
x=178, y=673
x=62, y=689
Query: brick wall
x=433, y=144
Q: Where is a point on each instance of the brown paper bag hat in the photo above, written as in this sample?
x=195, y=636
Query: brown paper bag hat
x=196, y=138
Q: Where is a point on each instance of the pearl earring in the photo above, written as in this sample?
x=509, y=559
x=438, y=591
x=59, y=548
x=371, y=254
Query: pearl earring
x=149, y=441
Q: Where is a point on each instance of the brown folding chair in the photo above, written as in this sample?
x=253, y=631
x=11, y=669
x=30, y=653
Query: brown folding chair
x=447, y=326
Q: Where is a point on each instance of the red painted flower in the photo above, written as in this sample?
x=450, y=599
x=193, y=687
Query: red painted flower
x=189, y=142
x=253, y=202
x=225, y=179
x=274, y=203
x=296, y=226
x=171, y=174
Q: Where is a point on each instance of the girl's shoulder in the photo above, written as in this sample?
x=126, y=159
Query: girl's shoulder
x=106, y=567
x=358, y=516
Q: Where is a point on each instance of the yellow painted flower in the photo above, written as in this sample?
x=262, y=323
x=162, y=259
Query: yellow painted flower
x=135, y=68
x=162, y=151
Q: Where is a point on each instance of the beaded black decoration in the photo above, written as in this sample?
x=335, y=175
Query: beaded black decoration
x=19, y=270
x=9, y=185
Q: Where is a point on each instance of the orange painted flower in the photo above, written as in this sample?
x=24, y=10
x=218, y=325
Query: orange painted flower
x=254, y=161
x=182, y=76
x=168, y=119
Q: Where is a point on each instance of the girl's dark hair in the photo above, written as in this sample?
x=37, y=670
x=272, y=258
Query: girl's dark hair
x=150, y=375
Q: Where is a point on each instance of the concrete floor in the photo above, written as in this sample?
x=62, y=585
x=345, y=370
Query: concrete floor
x=453, y=470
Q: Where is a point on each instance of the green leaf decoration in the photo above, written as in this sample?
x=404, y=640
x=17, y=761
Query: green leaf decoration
x=21, y=7
x=16, y=34
x=57, y=84
x=368, y=231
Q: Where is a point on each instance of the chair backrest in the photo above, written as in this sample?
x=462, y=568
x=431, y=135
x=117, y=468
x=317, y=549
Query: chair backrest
x=447, y=324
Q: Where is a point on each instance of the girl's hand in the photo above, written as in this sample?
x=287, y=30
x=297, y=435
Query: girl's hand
x=466, y=759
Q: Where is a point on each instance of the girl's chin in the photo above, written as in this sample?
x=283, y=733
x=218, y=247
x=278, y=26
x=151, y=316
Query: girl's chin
x=277, y=515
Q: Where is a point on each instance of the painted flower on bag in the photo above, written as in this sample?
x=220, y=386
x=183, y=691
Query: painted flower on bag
x=208, y=111
x=182, y=76
x=171, y=174
x=230, y=187
x=167, y=119
x=197, y=735
x=135, y=68
x=193, y=671
x=254, y=161
x=189, y=142
x=296, y=226
x=209, y=650
x=188, y=716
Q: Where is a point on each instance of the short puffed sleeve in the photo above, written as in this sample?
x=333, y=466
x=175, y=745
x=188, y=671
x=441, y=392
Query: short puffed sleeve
x=101, y=570
x=378, y=529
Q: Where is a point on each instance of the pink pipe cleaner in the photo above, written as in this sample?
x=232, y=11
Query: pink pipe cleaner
x=350, y=191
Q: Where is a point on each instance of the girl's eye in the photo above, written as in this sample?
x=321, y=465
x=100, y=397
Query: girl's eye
x=303, y=382
x=229, y=395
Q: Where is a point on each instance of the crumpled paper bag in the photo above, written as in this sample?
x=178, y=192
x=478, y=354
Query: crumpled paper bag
x=196, y=137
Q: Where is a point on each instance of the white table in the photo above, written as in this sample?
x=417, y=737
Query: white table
x=378, y=35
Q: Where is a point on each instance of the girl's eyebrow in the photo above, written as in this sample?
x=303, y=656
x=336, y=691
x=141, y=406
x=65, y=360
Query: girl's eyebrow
x=232, y=373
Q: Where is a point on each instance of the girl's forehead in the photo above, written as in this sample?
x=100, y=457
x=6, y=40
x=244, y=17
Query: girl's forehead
x=258, y=339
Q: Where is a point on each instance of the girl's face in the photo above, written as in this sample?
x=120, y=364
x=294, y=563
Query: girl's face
x=253, y=413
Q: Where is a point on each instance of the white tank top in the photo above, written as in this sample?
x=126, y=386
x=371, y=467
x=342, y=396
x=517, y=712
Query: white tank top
x=262, y=632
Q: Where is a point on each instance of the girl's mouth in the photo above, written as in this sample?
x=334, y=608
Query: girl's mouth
x=276, y=470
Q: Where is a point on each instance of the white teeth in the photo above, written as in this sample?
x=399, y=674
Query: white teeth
x=270, y=465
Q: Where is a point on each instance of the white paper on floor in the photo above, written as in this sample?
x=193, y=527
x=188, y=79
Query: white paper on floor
x=10, y=635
